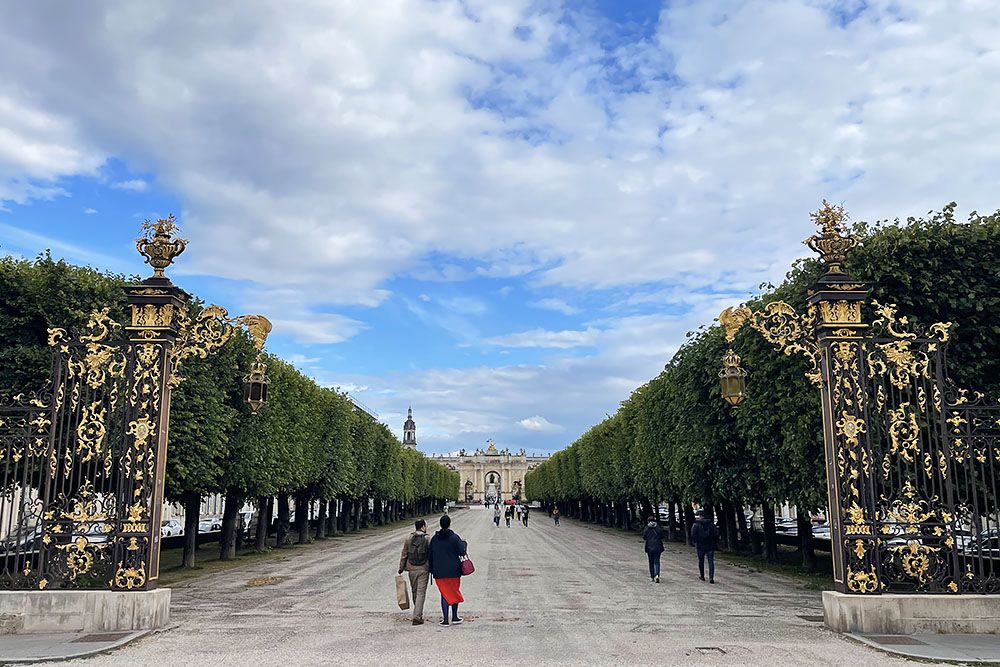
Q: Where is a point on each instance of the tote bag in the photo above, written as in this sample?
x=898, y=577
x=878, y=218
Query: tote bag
x=467, y=566
x=402, y=594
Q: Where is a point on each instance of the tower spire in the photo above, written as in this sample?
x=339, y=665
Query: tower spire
x=410, y=430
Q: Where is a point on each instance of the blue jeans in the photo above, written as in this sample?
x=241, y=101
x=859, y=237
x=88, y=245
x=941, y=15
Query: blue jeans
x=654, y=563
x=711, y=564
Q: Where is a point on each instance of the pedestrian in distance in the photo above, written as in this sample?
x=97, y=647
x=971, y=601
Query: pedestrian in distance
x=496, y=514
x=555, y=515
x=652, y=535
x=517, y=512
x=705, y=536
x=414, y=561
x=524, y=516
x=508, y=513
x=444, y=559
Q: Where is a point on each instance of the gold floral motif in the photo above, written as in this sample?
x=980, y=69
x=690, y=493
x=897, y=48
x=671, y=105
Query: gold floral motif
x=859, y=549
x=840, y=312
x=832, y=243
x=151, y=315
x=862, y=581
x=159, y=244
x=130, y=577
x=914, y=559
x=79, y=556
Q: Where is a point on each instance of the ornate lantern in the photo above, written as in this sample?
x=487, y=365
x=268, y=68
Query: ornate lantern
x=733, y=379
x=256, y=385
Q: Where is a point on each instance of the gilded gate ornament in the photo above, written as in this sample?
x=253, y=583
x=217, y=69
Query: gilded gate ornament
x=159, y=244
x=886, y=399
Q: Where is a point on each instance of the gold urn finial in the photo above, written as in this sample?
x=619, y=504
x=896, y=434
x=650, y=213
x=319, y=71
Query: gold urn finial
x=832, y=243
x=159, y=245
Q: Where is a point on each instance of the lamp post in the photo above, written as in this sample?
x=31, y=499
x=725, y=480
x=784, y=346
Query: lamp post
x=733, y=379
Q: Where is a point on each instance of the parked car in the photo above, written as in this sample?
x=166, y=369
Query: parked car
x=983, y=547
x=22, y=540
x=209, y=525
x=171, y=527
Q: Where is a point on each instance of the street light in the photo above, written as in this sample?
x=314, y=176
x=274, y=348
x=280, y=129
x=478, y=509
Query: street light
x=256, y=385
x=733, y=379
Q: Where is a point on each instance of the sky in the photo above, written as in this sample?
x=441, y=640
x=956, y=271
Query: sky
x=505, y=214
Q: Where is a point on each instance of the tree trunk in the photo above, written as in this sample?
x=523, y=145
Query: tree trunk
x=770, y=534
x=282, y=529
x=302, y=516
x=735, y=524
x=321, y=520
x=805, y=541
x=688, y=521
x=357, y=514
x=265, y=507
x=671, y=521
x=192, y=513
x=230, y=515
x=331, y=518
x=755, y=538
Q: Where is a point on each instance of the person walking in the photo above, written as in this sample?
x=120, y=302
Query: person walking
x=496, y=514
x=524, y=516
x=705, y=536
x=652, y=535
x=508, y=513
x=555, y=515
x=444, y=561
x=414, y=560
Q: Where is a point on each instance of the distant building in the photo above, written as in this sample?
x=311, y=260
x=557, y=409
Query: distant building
x=491, y=475
x=410, y=430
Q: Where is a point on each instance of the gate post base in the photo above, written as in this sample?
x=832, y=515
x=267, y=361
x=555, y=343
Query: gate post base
x=84, y=610
x=902, y=614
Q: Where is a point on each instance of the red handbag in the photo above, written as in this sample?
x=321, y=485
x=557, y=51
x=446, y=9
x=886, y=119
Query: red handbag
x=467, y=566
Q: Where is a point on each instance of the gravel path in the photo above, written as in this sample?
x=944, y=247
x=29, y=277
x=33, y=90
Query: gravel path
x=573, y=595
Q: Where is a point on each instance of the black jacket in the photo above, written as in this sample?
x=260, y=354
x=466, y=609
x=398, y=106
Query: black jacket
x=704, y=534
x=653, y=535
x=442, y=555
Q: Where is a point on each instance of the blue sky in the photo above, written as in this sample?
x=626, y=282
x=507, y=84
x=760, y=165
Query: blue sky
x=505, y=214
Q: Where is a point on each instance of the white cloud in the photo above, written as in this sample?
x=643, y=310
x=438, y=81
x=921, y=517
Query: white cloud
x=89, y=211
x=424, y=297
x=544, y=338
x=322, y=149
x=557, y=305
x=133, y=185
x=538, y=423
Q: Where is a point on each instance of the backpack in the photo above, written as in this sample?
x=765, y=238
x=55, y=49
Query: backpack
x=417, y=553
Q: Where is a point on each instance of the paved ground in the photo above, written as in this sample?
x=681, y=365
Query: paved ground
x=573, y=595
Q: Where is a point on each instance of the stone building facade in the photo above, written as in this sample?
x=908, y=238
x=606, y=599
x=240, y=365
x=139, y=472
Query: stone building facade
x=492, y=474
x=489, y=474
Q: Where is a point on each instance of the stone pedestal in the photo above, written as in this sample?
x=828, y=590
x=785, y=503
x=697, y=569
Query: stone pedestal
x=84, y=611
x=910, y=614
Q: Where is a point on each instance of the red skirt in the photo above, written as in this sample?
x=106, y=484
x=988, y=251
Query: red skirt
x=449, y=589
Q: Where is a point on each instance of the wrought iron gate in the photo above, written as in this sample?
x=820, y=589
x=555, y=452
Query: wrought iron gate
x=82, y=464
x=912, y=462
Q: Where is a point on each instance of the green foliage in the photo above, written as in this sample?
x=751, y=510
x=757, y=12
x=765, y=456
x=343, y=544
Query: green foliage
x=676, y=438
x=307, y=437
x=35, y=295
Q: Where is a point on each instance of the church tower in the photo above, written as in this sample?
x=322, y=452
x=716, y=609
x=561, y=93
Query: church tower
x=410, y=430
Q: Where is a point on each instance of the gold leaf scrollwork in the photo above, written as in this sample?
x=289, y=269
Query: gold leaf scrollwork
x=129, y=577
x=914, y=559
x=91, y=431
x=861, y=581
x=904, y=433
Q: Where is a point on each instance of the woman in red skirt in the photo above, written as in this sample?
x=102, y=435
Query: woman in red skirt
x=443, y=558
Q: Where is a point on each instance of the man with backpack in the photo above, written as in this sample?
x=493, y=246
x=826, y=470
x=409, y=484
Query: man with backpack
x=414, y=561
